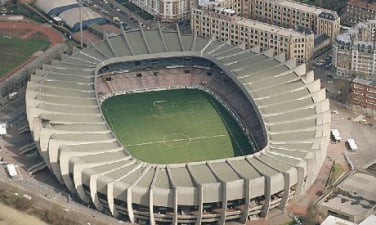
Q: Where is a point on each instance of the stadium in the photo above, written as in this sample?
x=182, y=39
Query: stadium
x=271, y=112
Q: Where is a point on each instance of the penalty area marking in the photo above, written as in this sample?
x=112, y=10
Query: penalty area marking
x=169, y=142
x=161, y=113
x=155, y=103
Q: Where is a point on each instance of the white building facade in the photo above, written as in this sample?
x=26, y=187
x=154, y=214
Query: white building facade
x=165, y=10
x=354, y=52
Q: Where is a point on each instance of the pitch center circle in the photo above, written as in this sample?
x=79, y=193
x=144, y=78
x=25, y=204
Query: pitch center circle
x=176, y=140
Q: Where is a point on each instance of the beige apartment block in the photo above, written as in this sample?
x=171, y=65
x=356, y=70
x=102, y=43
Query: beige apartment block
x=358, y=11
x=289, y=14
x=224, y=25
x=166, y=10
x=354, y=52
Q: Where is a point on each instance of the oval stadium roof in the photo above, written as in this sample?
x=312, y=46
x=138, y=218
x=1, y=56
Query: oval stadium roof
x=72, y=137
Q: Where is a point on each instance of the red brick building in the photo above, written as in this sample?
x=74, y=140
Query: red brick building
x=363, y=93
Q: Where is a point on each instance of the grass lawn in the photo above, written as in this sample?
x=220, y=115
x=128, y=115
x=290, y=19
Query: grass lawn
x=175, y=126
x=289, y=223
x=15, y=51
x=336, y=171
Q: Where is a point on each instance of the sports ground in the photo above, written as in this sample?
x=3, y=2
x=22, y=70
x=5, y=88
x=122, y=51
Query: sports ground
x=175, y=126
x=15, y=51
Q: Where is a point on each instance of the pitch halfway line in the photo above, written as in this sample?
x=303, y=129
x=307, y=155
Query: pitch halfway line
x=177, y=140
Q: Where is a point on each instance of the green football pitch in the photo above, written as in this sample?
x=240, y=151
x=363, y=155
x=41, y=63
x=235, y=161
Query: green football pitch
x=175, y=126
x=15, y=51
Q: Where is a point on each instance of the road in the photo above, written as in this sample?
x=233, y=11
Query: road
x=113, y=9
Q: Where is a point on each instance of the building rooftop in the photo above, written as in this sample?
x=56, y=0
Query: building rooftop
x=320, y=39
x=360, y=34
x=332, y=220
x=259, y=25
x=355, y=196
x=55, y=6
x=365, y=81
x=362, y=4
x=371, y=220
x=72, y=16
x=328, y=15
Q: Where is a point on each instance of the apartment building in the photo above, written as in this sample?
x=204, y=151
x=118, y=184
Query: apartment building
x=363, y=93
x=288, y=14
x=166, y=10
x=223, y=24
x=354, y=52
x=358, y=11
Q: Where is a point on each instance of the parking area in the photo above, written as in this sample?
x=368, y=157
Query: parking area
x=362, y=131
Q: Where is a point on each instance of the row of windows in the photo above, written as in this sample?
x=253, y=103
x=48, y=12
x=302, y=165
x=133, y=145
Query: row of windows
x=252, y=34
x=284, y=9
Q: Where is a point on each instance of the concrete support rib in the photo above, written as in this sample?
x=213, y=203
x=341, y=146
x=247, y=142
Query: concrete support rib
x=145, y=40
x=201, y=204
x=93, y=190
x=127, y=41
x=176, y=196
x=247, y=189
x=162, y=37
x=299, y=187
x=110, y=44
x=77, y=178
x=111, y=200
x=129, y=194
x=267, y=195
x=129, y=205
x=200, y=190
x=224, y=203
x=98, y=50
x=206, y=46
x=286, y=193
x=179, y=36
x=176, y=200
x=151, y=207
x=151, y=196
x=211, y=52
x=299, y=169
x=64, y=167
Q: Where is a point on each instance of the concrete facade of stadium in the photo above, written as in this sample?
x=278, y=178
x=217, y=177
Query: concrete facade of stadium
x=73, y=138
